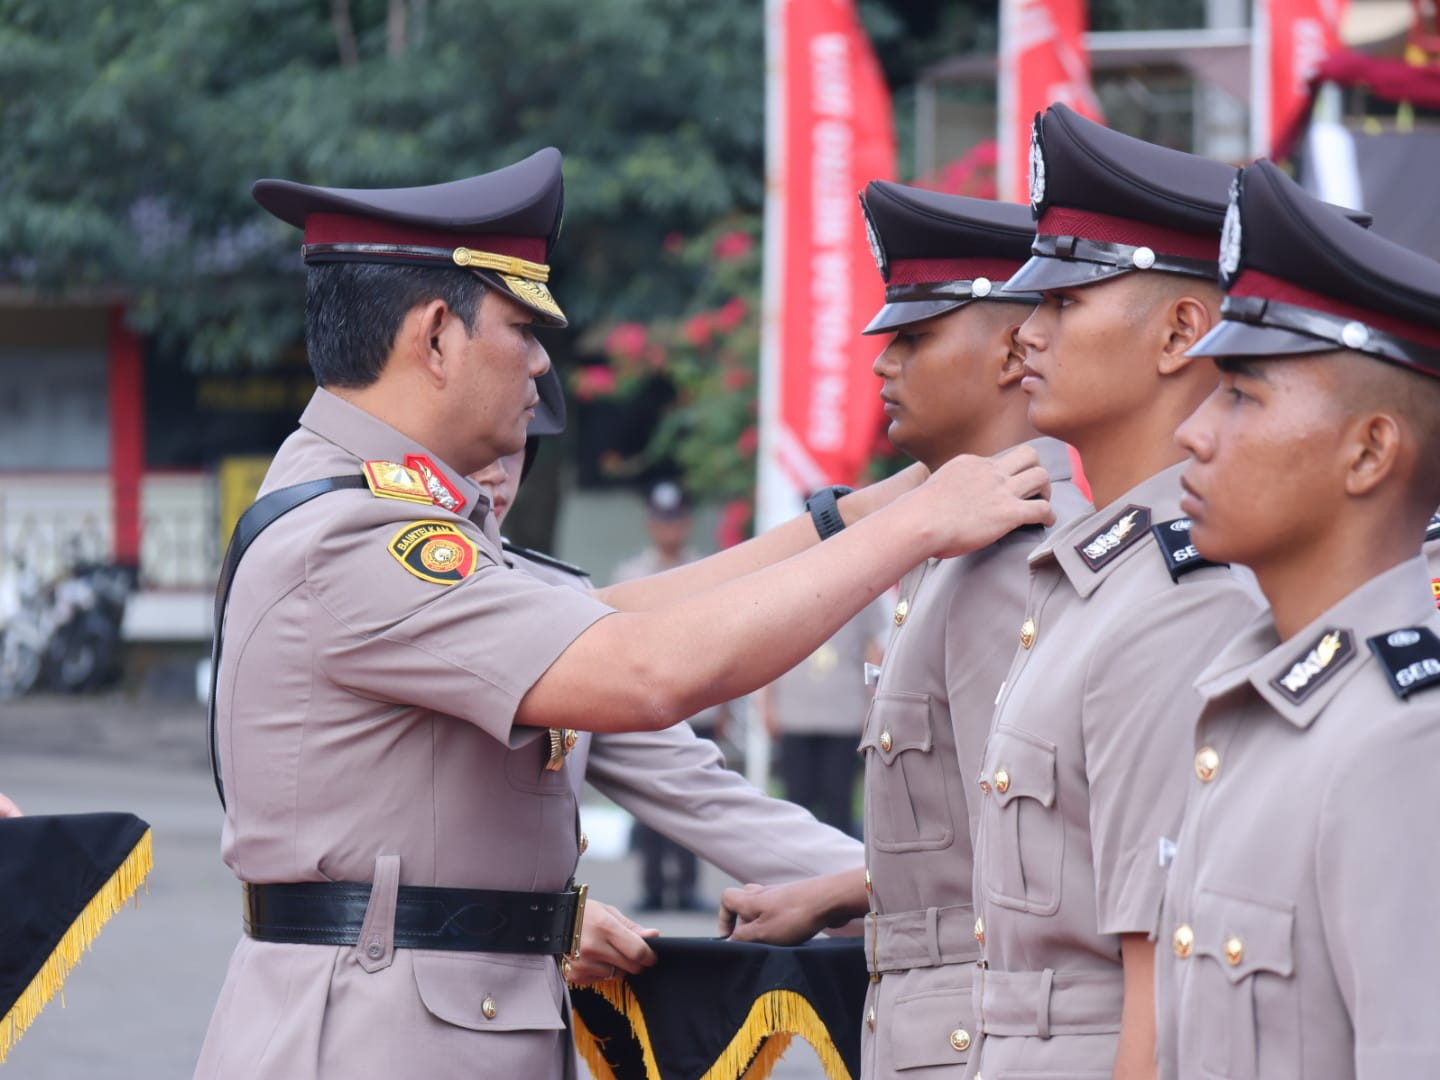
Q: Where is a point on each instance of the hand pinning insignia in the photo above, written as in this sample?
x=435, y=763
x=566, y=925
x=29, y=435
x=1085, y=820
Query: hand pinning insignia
x=1114, y=536
x=1326, y=656
x=1410, y=657
x=435, y=551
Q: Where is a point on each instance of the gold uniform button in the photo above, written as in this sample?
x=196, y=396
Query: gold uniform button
x=571, y=738
x=980, y=931
x=886, y=741
x=584, y=843
x=869, y=885
x=901, y=610
x=870, y=1018
x=1027, y=632
x=488, y=1007
x=985, y=786
x=1183, y=940
x=960, y=1039
x=1207, y=764
x=1002, y=780
x=1234, y=950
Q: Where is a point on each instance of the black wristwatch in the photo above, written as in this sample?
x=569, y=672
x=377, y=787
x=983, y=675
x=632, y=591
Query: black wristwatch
x=824, y=511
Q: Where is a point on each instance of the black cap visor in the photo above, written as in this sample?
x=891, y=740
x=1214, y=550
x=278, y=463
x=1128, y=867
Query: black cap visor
x=1045, y=272
x=907, y=312
x=1231, y=337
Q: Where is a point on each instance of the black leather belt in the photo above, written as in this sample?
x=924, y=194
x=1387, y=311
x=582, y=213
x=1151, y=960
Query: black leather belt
x=464, y=920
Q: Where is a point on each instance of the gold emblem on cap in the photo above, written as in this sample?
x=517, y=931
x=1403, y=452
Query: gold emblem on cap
x=533, y=293
x=505, y=264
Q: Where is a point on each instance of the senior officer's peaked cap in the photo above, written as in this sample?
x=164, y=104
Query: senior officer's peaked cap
x=1300, y=278
x=500, y=225
x=938, y=252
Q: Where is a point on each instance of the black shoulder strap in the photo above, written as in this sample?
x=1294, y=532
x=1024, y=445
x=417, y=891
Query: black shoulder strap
x=261, y=514
x=1180, y=555
x=544, y=559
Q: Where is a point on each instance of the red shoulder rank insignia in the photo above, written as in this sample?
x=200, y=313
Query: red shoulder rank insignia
x=442, y=492
x=1435, y=590
x=435, y=551
x=388, y=480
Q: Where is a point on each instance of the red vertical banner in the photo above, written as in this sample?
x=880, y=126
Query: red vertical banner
x=1301, y=34
x=838, y=134
x=1043, y=60
x=127, y=435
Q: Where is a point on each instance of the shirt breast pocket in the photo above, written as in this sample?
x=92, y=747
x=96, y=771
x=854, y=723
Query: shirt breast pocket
x=907, y=806
x=1024, y=835
x=1244, y=957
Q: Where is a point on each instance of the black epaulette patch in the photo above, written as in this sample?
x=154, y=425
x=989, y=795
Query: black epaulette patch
x=1432, y=531
x=1325, y=656
x=1114, y=536
x=1410, y=657
x=543, y=559
x=1180, y=554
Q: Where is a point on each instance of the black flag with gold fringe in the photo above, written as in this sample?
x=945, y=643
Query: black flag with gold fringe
x=720, y=1010
x=61, y=878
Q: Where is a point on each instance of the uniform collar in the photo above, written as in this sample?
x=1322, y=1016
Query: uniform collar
x=1054, y=457
x=1400, y=597
x=1155, y=499
x=369, y=438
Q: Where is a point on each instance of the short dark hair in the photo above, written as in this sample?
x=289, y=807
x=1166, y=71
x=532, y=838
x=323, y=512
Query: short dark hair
x=353, y=311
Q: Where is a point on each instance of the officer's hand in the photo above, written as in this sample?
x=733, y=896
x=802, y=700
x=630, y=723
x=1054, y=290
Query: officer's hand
x=774, y=914
x=973, y=501
x=8, y=808
x=610, y=944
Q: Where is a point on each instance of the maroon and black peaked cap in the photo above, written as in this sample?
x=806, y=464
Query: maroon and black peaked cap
x=938, y=252
x=1300, y=278
x=500, y=225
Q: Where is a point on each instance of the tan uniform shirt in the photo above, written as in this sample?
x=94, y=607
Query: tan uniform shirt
x=1299, y=937
x=825, y=694
x=947, y=654
x=365, y=712
x=1083, y=772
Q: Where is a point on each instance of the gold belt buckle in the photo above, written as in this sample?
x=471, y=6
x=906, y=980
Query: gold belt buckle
x=581, y=892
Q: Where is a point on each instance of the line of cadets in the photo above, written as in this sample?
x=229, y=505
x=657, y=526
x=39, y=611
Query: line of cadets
x=1051, y=708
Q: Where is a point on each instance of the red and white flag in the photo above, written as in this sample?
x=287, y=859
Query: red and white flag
x=829, y=132
x=1292, y=39
x=1043, y=60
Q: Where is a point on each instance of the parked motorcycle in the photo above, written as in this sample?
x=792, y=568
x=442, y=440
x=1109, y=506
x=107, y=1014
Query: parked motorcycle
x=65, y=635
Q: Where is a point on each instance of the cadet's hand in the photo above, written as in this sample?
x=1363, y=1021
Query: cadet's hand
x=8, y=808
x=774, y=914
x=609, y=945
x=973, y=501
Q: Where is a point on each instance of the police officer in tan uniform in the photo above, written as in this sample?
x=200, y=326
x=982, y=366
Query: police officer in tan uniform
x=402, y=821
x=1299, y=923
x=951, y=374
x=677, y=783
x=1084, y=767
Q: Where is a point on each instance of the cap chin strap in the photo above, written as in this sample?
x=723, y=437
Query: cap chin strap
x=468, y=258
x=1343, y=333
x=1122, y=256
x=957, y=290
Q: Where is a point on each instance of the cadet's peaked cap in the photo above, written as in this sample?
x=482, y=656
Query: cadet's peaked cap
x=1106, y=204
x=500, y=225
x=939, y=252
x=1301, y=278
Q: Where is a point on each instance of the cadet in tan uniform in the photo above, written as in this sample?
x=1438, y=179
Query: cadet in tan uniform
x=675, y=782
x=951, y=385
x=405, y=828
x=1084, y=767
x=1299, y=925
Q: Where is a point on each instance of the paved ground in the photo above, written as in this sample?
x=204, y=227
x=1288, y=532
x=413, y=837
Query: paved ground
x=137, y=1005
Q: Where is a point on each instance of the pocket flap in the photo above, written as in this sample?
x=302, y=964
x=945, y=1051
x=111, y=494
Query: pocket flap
x=922, y=1026
x=522, y=992
x=1018, y=764
x=1244, y=936
x=899, y=718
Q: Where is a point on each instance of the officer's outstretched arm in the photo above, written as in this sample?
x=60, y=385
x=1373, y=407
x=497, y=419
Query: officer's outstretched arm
x=650, y=669
x=770, y=547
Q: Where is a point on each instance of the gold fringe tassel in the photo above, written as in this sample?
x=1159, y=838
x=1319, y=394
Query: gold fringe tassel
x=774, y=1019
x=76, y=941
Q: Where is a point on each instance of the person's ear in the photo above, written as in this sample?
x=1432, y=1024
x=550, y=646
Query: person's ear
x=1187, y=321
x=1012, y=368
x=428, y=344
x=1371, y=446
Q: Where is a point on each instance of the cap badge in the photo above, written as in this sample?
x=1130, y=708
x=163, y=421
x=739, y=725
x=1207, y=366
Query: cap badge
x=387, y=480
x=435, y=551
x=1230, y=235
x=1143, y=258
x=980, y=287
x=533, y=293
x=441, y=490
x=1328, y=654
x=877, y=249
x=1355, y=335
x=1037, y=168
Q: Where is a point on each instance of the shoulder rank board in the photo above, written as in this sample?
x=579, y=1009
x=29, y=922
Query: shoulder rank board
x=1321, y=659
x=543, y=559
x=1410, y=657
x=1114, y=536
x=391, y=480
x=1180, y=554
x=435, y=551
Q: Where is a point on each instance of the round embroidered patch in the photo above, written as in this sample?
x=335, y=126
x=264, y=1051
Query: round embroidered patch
x=435, y=551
